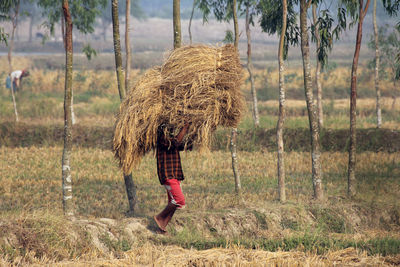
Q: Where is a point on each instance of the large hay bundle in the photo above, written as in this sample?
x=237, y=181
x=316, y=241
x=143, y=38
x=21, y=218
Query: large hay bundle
x=196, y=84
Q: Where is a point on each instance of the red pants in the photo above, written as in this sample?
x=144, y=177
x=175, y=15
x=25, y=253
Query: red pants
x=174, y=192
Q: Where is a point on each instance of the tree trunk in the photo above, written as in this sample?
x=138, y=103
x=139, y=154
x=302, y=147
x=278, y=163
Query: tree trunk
x=190, y=21
x=235, y=25
x=238, y=187
x=377, y=63
x=129, y=184
x=31, y=27
x=318, y=70
x=177, y=23
x=117, y=49
x=353, y=103
x=282, y=112
x=14, y=20
x=127, y=44
x=250, y=69
x=66, y=167
x=234, y=130
x=312, y=113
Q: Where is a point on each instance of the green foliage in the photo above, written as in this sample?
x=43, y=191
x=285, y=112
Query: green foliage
x=391, y=7
x=3, y=36
x=389, y=44
x=83, y=13
x=228, y=37
x=271, y=21
x=222, y=9
x=89, y=51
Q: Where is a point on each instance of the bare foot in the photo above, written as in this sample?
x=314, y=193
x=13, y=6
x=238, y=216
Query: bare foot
x=161, y=232
x=159, y=224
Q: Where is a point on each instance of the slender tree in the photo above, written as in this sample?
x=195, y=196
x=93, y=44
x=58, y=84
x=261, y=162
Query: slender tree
x=236, y=174
x=190, y=20
x=129, y=183
x=177, y=24
x=377, y=64
x=362, y=11
x=225, y=10
x=66, y=156
x=312, y=112
x=318, y=68
x=249, y=20
x=282, y=111
x=127, y=43
x=9, y=10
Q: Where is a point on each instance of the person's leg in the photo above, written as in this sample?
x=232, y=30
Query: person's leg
x=176, y=200
x=162, y=219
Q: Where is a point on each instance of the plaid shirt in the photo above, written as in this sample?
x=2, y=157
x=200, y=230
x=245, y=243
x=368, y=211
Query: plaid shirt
x=168, y=158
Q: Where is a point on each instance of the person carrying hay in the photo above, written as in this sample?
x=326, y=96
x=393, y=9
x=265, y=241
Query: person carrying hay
x=170, y=174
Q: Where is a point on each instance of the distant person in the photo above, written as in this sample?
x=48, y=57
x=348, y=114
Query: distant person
x=15, y=78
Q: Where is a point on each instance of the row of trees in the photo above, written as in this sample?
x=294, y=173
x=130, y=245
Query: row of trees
x=275, y=17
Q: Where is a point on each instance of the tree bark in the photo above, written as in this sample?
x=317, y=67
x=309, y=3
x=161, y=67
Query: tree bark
x=190, y=21
x=177, y=23
x=377, y=65
x=250, y=69
x=318, y=70
x=312, y=113
x=127, y=44
x=238, y=186
x=31, y=27
x=234, y=130
x=14, y=21
x=117, y=49
x=282, y=111
x=236, y=25
x=129, y=184
x=353, y=102
x=66, y=166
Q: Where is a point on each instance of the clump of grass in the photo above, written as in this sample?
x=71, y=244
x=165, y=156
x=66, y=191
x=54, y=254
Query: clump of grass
x=42, y=233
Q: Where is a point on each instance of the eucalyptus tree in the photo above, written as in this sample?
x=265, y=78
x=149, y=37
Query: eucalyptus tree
x=191, y=18
x=9, y=11
x=280, y=17
x=129, y=183
x=282, y=111
x=376, y=72
x=82, y=14
x=357, y=10
x=234, y=132
x=226, y=10
x=250, y=11
x=312, y=112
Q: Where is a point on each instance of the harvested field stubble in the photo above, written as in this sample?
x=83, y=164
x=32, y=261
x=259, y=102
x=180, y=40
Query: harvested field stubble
x=199, y=85
x=153, y=255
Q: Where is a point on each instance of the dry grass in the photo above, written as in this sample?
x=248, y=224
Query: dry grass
x=99, y=189
x=196, y=84
x=149, y=254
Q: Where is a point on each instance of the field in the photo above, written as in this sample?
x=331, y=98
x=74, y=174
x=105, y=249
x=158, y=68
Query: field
x=216, y=228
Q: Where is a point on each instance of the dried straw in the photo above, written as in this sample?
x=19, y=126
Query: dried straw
x=197, y=84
